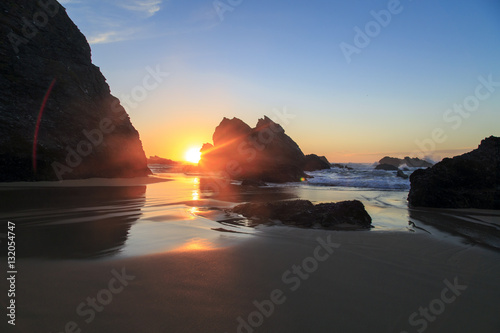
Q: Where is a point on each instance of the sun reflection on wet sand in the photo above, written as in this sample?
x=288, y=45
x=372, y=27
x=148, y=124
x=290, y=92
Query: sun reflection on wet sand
x=196, y=244
x=196, y=195
x=196, y=192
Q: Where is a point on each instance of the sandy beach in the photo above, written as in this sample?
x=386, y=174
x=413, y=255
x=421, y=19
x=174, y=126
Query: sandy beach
x=372, y=282
x=153, y=258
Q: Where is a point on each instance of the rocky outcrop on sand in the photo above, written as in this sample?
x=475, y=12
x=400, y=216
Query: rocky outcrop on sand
x=414, y=162
x=314, y=162
x=302, y=213
x=262, y=153
x=471, y=180
x=58, y=119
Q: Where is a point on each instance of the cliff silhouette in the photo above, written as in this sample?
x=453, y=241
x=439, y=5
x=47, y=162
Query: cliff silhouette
x=58, y=119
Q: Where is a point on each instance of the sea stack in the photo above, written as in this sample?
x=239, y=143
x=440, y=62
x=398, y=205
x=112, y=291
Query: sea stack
x=471, y=180
x=315, y=162
x=57, y=117
x=412, y=162
x=263, y=153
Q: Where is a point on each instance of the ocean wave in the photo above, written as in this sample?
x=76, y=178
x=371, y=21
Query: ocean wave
x=360, y=176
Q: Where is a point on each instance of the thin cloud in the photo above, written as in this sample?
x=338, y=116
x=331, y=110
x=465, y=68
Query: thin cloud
x=109, y=21
x=146, y=7
x=102, y=38
x=65, y=2
x=113, y=36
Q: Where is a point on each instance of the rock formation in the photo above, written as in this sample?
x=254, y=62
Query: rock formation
x=471, y=180
x=262, y=153
x=58, y=119
x=414, y=162
x=387, y=167
x=340, y=215
x=401, y=174
x=341, y=166
x=314, y=162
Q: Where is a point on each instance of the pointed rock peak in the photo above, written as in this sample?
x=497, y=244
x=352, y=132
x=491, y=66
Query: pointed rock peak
x=235, y=122
x=263, y=153
x=229, y=129
x=267, y=122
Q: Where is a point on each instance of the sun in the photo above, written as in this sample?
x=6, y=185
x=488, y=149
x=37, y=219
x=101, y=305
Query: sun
x=193, y=155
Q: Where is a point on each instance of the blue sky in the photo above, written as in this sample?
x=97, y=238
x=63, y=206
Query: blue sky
x=250, y=58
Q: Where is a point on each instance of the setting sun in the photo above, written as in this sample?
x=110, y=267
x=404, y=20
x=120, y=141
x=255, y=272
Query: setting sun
x=192, y=155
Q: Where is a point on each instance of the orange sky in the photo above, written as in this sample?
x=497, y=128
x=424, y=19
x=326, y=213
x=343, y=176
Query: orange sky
x=187, y=134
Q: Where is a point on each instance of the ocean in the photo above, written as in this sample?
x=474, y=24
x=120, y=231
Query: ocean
x=361, y=176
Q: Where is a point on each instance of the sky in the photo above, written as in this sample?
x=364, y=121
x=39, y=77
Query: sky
x=352, y=80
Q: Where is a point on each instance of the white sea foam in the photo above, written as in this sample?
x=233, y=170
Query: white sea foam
x=360, y=176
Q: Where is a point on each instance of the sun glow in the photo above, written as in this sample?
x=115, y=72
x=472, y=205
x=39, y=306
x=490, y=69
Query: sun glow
x=193, y=155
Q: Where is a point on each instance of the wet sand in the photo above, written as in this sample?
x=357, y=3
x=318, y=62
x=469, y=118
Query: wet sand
x=373, y=282
x=179, y=274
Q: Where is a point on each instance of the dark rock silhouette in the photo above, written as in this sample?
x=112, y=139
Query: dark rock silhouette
x=471, y=180
x=387, y=167
x=391, y=161
x=263, y=153
x=314, y=162
x=414, y=162
x=58, y=119
x=341, y=166
x=340, y=215
x=401, y=174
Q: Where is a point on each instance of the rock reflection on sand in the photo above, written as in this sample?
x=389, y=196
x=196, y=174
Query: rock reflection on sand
x=469, y=225
x=72, y=222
